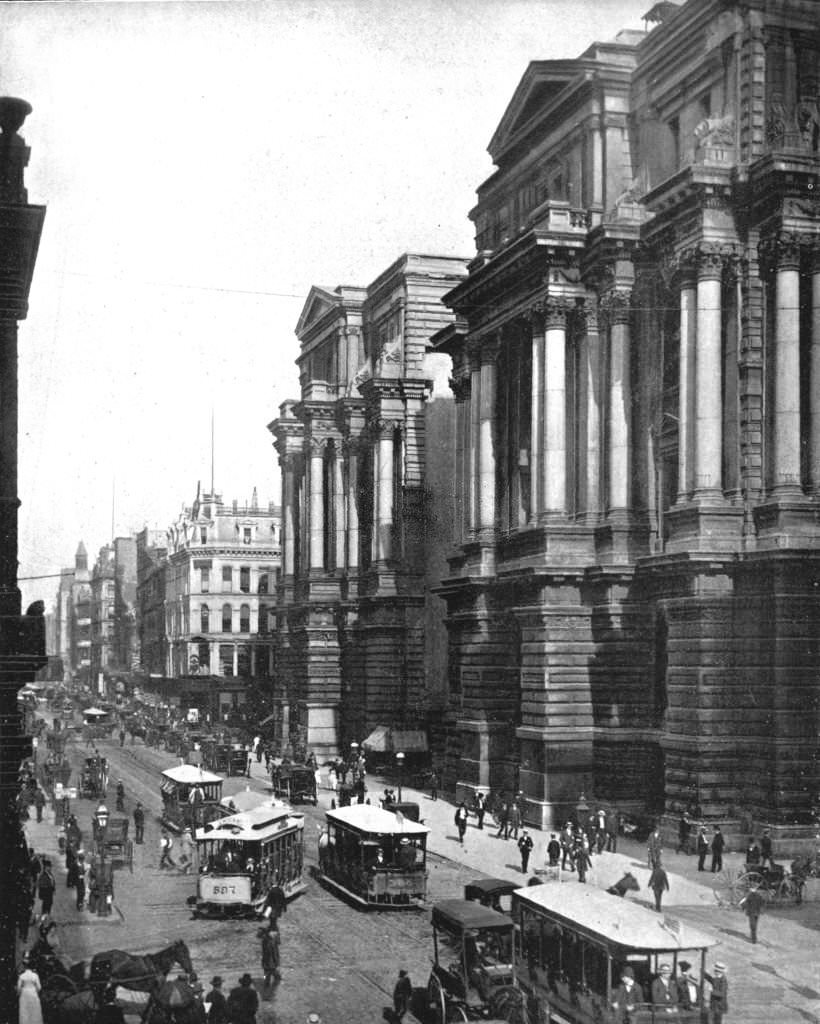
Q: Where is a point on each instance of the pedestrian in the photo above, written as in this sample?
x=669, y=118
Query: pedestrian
x=703, y=848
x=766, y=849
x=39, y=802
x=683, y=834
x=71, y=865
x=688, y=988
x=461, y=821
x=270, y=953
x=120, y=796
x=664, y=990
x=627, y=996
x=257, y=748
x=28, y=994
x=525, y=848
x=402, y=994
x=45, y=888
x=514, y=819
x=480, y=809
x=166, y=844
x=717, y=845
x=612, y=831
x=719, y=996
x=753, y=853
x=139, y=823
x=553, y=851
x=753, y=904
x=600, y=830
x=122, y=737
x=332, y=780
x=567, y=847
x=243, y=1002
x=582, y=861
x=216, y=1004
x=503, y=822
x=186, y=851
x=654, y=849
x=433, y=785
x=659, y=884
x=83, y=872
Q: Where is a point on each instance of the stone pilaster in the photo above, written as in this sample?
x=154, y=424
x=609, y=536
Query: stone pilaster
x=316, y=515
x=590, y=369
x=708, y=376
x=554, y=438
x=486, y=441
x=686, y=385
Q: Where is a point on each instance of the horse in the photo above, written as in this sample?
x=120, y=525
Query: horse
x=140, y=973
x=629, y=883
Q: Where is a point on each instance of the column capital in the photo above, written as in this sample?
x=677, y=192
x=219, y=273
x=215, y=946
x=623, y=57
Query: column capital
x=351, y=331
x=289, y=462
x=460, y=385
x=489, y=349
x=710, y=259
x=554, y=312
x=616, y=307
x=685, y=269
x=317, y=446
x=588, y=311
x=780, y=251
x=384, y=427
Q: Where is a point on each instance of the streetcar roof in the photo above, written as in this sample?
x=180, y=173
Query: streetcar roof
x=254, y=825
x=464, y=915
x=249, y=798
x=190, y=775
x=599, y=915
x=374, y=820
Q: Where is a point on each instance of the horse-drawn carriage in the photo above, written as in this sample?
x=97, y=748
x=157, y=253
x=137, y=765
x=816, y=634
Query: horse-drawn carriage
x=112, y=842
x=56, y=769
x=94, y=778
x=295, y=783
x=775, y=882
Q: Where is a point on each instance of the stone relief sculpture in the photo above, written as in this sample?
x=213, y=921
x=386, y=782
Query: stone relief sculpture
x=715, y=131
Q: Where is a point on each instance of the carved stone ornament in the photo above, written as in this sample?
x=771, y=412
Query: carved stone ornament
x=780, y=252
x=615, y=308
x=710, y=259
x=460, y=386
x=318, y=445
x=386, y=427
x=554, y=312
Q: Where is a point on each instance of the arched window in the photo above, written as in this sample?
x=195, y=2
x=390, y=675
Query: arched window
x=227, y=618
x=245, y=618
x=205, y=618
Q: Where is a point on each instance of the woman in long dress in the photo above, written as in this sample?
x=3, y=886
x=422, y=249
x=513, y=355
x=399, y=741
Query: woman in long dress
x=28, y=992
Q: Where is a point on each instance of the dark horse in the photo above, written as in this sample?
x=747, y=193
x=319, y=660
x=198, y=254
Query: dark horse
x=141, y=973
x=629, y=883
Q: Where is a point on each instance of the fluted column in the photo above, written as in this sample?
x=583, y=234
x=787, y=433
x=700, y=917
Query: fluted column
x=590, y=362
x=814, y=384
x=384, y=495
x=316, y=503
x=486, y=444
x=686, y=383
x=288, y=516
x=474, y=420
x=537, y=418
x=352, y=508
x=339, y=507
x=554, y=443
x=785, y=478
x=708, y=376
x=620, y=402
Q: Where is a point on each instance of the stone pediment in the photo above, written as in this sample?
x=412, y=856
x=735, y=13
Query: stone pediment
x=319, y=302
x=540, y=85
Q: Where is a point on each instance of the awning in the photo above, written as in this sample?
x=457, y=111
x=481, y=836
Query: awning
x=378, y=740
x=409, y=741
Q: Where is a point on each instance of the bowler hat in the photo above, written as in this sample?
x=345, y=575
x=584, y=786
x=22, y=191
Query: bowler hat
x=246, y=980
x=627, y=972
x=684, y=965
x=216, y=981
x=720, y=968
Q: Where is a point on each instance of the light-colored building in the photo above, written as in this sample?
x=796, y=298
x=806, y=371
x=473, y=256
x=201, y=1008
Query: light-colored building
x=633, y=605
x=223, y=564
x=366, y=510
x=113, y=612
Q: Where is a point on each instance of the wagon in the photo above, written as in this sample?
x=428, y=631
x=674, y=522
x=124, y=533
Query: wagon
x=296, y=783
x=776, y=883
x=94, y=778
x=113, y=842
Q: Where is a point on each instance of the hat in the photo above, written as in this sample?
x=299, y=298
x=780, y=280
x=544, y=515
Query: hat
x=216, y=981
x=684, y=965
x=26, y=958
x=665, y=969
x=314, y=1018
x=627, y=972
x=720, y=968
x=246, y=980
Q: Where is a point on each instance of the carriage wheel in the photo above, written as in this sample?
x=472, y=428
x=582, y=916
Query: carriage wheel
x=727, y=888
x=748, y=880
x=507, y=1003
x=436, y=1000
x=456, y=1014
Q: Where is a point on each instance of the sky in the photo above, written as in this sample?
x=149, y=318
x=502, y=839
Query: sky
x=203, y=165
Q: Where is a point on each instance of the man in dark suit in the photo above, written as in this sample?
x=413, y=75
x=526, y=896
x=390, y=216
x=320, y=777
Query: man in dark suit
x=753, y=903
x=719, y=996
x=703, y=848
x=688, y=992
x=627, y=996
x=718, y=843
x=664, y=990
x=766, y=849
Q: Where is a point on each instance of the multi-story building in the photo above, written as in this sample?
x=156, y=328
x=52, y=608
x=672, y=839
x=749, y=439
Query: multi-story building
x=113, y=611
x=221, y=574
x=367, y=512
x=152, y=555
x=633, y=605
x=79, y=619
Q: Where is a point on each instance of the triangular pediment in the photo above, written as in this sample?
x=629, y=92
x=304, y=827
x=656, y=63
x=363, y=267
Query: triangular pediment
x=541, y=84
x=318, y=303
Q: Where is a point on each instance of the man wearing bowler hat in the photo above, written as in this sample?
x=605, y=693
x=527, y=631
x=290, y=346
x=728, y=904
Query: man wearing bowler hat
x=665, y=991
x=719, y=996
x=626, y=996
x=688, y=992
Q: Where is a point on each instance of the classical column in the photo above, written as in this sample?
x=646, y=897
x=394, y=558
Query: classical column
x=352, y=347
x=554, y=444
x=384, y=495
x=486, y=447
x=686, y=383
x=537, y=418
x=814, y=455
x=352, y=506
x=590, y=362
x=620, y=402
x=288, y=515
x=316, y=501
x=460, y=386
x=786, y=433
x=474, y=403
x=708, y=376
x=339, y=507
x=235, y=660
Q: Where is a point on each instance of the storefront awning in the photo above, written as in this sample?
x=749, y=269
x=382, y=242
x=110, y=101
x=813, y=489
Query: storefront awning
x=378, y=740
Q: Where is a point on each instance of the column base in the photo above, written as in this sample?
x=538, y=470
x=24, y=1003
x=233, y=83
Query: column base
x=321, y=586
x=788, y=521
x=622, y=538
x=706, y=523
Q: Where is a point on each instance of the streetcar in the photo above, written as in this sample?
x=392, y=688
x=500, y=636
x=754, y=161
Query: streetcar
x=190, y=797
x=575, y=943
x=242, y=858
x=373, y=857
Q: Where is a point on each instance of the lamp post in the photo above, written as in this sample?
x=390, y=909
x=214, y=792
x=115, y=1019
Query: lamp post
x=400, y=764
x=101, y=818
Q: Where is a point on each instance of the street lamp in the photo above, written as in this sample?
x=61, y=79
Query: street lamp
x=582, y=810
x=400, y=764
x=101, y=819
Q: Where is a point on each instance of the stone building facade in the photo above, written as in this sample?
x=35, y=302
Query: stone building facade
x=152, y=556
x=72, y=631
x=366, y=510
x=633, y=604
x=222, y=568
x=113, y=612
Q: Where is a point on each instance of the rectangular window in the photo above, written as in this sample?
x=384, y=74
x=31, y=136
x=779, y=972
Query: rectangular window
x=205, y=581
x=227, y=579
x=245, y=580
x=246, y=535
x=226, y=659
x=203, y=535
